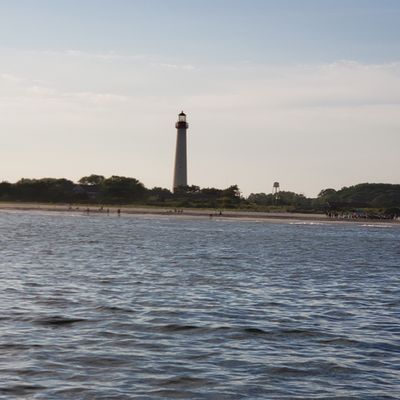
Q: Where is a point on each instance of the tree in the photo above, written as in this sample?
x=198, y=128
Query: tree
x=158, y=194
x=121, y=189
x=327, y=193
x=45, y=189
x=6, y=190
x=261, y=199
x=92, y=180
x=232, y=192
x=211, y=192
x=159, y=191
x=230, y=197
x=378, y=195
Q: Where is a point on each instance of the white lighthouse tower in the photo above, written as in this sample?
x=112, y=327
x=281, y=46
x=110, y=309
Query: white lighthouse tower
x=180, y=171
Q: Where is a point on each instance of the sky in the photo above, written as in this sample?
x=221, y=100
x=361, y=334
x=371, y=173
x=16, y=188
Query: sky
x=304, y=92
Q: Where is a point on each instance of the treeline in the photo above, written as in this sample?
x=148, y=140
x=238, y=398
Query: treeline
x=97, y=189
x=91, y=189
x=364, y=195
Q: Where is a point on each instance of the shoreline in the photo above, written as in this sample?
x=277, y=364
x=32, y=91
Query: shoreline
x=189, y=212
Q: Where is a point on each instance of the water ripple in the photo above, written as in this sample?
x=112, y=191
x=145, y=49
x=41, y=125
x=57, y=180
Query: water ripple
x=159, y=307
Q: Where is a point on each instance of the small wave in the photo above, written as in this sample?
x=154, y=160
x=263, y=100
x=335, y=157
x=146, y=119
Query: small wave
x=298, y=333
x=58, y=321
x=33, y=284
x=255, y=331
x=186, y=381
x=289, y=333
x=377, y=225
x=383, y=346
x=20, y=390
x=311, y=369
x=114, y=309
x=100, y=361
x=340, y=342
x=172, y=394
x=235, y=332
x=18, y=346
x=179, y=328
x=307, y=223
x=288, y=371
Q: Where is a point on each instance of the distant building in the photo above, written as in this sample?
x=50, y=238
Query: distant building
x=180, y=170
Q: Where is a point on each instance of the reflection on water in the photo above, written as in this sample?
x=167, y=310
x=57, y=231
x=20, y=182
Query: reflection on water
x=102, y=307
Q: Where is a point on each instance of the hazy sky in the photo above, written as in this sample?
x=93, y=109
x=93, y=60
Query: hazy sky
x=306, y=93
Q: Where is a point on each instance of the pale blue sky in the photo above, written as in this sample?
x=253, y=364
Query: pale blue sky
x=304, y=92
x=209, y=32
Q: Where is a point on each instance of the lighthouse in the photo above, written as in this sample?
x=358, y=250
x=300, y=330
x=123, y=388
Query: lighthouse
x=180, y=171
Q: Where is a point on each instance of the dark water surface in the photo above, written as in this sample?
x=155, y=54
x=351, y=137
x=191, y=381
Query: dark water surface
x=101, y=307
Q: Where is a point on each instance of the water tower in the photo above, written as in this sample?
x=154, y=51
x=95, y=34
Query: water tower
x=180, y=171
x=276, y=190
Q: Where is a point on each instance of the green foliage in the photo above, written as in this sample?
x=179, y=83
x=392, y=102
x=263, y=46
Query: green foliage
x=45, y=189
x=376, y=195
x=158, y=195
x=261, y=199
x=124, y=190
x=92, y=180
x=280, y=199
x=93, y=188
x=120, y=189
x=327, y=193
x=186, y=190
x=6, y=190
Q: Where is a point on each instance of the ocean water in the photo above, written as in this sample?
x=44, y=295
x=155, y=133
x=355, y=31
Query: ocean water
x=139, y=307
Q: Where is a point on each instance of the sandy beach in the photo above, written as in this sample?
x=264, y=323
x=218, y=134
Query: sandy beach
x=185, y=212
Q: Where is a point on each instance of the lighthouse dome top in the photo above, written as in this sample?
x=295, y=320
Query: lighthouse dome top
x=182, y=117
x=182, y=124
